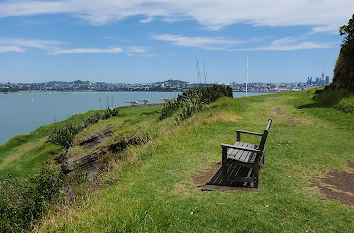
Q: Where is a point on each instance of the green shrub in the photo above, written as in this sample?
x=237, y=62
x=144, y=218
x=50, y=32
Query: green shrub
x=209, y=94
x=346, y=104
x=340, y=99
x=108, y=113
x=93, y=118
x=188, y=108
x=192, y=100
x=24, y=200
x=64, y=135
x=169, y=108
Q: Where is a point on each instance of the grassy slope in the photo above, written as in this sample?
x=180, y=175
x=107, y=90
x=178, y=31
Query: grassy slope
x=152, y=190
x=23, y=154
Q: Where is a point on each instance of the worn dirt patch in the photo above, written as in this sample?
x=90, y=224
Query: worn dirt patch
x=351, y=164
x=205, y=176
x=278, y=111
x=222, y=116
x=292, y=121
x=339, y=185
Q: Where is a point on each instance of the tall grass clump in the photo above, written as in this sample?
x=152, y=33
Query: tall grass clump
x=192, y=100
x=169, y=108
x=108, y=113
x=64, y=134
x=188, y=108
x=23, y=200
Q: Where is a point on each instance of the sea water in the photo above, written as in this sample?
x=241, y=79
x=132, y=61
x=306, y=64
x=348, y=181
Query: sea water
x=20, y=113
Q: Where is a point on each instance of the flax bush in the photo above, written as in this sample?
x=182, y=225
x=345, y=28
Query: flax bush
x=192, y=100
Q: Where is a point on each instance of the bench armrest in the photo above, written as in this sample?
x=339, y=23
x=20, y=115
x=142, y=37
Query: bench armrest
x=248, y=132
x=240, y=148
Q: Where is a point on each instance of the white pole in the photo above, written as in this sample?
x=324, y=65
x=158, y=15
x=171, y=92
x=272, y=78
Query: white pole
x=247, y=76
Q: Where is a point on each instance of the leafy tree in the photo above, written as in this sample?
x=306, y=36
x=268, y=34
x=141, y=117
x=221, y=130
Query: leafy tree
x=348, y=42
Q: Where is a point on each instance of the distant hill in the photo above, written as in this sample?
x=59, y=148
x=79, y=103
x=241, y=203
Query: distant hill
x=173, y=82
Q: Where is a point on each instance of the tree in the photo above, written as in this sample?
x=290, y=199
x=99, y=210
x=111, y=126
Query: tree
x=348, y=42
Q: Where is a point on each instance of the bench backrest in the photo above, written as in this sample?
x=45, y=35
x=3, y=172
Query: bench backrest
x=265, y=135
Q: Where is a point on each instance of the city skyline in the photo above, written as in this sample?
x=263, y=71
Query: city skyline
x=151, y=41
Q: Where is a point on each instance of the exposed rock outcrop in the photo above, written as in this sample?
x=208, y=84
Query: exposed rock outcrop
x=74, y=163
x=97, y=138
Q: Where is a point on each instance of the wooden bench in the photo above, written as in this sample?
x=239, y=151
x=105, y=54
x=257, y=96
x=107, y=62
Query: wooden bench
x=245, y=155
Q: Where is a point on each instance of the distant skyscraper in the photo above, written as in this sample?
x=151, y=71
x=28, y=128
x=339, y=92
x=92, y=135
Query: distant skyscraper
x=327, y=80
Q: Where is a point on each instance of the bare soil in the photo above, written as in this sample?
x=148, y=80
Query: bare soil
x=204, y=176
x=339, y=185
x=278, y=111
x=292, y=121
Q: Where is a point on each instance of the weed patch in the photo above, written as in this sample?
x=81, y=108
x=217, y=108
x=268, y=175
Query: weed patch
x=23, y=200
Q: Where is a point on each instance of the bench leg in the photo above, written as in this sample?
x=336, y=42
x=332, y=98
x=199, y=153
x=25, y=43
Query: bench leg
x=224, y=163
x=256, y=172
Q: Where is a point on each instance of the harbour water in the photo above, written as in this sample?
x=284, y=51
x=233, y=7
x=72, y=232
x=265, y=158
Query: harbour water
x=20, y=113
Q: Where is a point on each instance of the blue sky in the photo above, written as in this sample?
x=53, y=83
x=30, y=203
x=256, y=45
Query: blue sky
x=140, y=41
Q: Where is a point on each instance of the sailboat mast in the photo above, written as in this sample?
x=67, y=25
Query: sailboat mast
x=246, y=75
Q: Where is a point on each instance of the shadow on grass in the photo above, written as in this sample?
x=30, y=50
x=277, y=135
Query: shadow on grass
x=341, y=99
x=311, y=105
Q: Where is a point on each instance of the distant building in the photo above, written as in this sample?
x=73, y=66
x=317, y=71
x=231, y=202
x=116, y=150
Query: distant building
x=327, y=80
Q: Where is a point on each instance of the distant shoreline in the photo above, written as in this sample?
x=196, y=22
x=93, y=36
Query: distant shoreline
x=86, y=91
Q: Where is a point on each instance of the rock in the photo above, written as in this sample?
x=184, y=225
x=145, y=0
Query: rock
x=61, y=157
x=75, y=163
x=96, y=138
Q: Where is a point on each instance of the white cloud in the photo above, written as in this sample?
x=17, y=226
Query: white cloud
x=20, y=45
x=38, y=44
x=115, y=50
x=6, y=49
x=139, y=51
x=289, y=44
x=212, y=14
x=136, y=49
x=146, y=20
x=56, y=47
x=207, y=43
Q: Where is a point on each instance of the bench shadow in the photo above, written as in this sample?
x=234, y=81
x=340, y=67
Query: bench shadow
x=312, y=105
x=211, y=179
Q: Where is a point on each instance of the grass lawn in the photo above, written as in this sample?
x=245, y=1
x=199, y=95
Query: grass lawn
x=151, y=188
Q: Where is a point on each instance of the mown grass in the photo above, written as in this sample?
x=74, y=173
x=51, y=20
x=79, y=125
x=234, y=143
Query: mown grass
x=152, y=190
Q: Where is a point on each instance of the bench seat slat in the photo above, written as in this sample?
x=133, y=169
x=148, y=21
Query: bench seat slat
x=246, y=154
x=239, y=152
x=242, y=155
